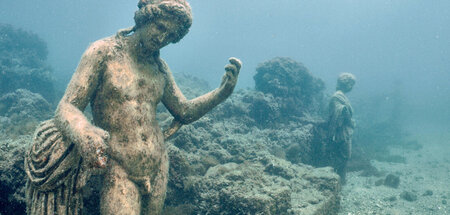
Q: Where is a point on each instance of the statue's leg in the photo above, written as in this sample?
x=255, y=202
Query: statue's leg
x=154, y=201
x=120, y=196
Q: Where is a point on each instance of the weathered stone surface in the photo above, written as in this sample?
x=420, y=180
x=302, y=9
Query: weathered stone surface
x=271, y=186
x=21, y=111
x=408, y=196
x=292, y=82
x=241, y=189
x=12, y=174
x=392, y=181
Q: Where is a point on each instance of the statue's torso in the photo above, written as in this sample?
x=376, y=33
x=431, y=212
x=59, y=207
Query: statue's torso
x=340, y=119
x=125, y=105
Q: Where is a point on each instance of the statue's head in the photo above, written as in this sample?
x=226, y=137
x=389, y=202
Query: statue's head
x=345, y=82
x=168, y=18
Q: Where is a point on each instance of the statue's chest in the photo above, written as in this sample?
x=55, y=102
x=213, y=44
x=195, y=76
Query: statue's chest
x=127, y=81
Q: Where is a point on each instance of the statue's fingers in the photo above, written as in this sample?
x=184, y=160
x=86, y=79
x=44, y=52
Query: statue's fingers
x=232, y=69
x=224, y=78
x=236, y=62
x=101, y=161
x=105, y=137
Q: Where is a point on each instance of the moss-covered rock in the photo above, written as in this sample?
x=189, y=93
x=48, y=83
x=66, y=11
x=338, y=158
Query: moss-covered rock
x=21, y=112
x=12, y=174
x=268, y=186
x=292, y=83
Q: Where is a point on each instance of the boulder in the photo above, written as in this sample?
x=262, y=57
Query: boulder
x=392, y=181
x=12, y=174
x=21, y=111
x=408, y=196
x=270, y=186
x=290, y=81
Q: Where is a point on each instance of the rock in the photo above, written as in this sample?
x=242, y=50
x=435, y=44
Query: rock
x=234, y=189
x=264, y=108
x=391, y=199
x=23, y=65
x=12, y=174
x=273, y=188
x=379, y=182
x=392, y=181
x=291, y=83
x=24, y=104
x=284, y=77
x=22, y=110
x=408, y=196
x=179, y=171
x=279, y=167
x=428, y=193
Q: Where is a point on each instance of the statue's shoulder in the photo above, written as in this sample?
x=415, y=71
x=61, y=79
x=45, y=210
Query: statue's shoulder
x=338, y=94
x=339, y=97
x=102, y=47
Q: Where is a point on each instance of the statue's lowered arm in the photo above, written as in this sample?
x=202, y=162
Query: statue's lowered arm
x=69, y=115
x=66, y=147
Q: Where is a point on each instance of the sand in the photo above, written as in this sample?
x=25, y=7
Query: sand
x=426, y=175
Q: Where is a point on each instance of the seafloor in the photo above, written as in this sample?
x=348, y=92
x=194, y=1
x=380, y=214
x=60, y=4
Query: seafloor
x=424, y=179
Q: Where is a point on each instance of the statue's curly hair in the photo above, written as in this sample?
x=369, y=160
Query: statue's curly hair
x=345, y=79
x=180, y=10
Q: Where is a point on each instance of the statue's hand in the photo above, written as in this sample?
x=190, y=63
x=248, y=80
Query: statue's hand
x=93, y=147
x=230, y=77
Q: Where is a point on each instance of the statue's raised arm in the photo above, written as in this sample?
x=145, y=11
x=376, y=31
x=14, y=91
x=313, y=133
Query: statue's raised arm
x=186, y=111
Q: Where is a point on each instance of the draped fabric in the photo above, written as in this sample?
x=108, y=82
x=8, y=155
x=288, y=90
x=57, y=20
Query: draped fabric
x=340, y=123
x=340, y=131
x=53, y=166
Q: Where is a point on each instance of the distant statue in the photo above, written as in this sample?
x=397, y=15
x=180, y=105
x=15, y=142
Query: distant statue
x=340, y=125
x=123, y=78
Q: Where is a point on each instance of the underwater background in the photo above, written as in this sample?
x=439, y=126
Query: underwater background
x=255, y=153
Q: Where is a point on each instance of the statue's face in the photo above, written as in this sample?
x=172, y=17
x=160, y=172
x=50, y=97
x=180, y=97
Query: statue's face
x=158, y=33
x=348, y=86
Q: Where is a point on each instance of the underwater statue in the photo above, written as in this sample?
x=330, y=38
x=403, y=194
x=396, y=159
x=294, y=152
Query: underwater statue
x=340, y=125
x=123, y=78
